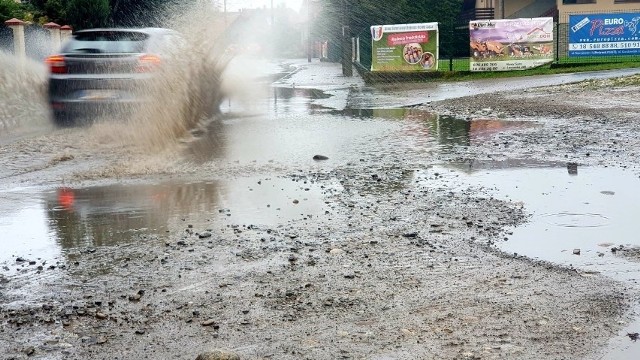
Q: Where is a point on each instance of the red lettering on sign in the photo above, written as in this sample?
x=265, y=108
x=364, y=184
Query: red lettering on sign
x=408, y=38
x=598, y=26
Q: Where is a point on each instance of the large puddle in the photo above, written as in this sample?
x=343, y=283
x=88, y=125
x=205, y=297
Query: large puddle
x=581, y=217
x=42, y=224
x=579, y=214
x=292, y=126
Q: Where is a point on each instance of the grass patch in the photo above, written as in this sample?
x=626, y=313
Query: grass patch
x=461, y=71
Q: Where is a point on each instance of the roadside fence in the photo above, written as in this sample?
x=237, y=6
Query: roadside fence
x=617, y=42
x=597, y=37
x=33, y=41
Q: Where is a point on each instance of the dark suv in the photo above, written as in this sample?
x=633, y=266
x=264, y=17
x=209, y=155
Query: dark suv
x=102, y=72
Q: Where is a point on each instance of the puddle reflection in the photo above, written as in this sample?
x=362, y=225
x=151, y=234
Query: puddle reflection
x=447, y=130
x=339, y=134
x=570, y=210
x=306, y=102
x=580, y=216
x=68, y=218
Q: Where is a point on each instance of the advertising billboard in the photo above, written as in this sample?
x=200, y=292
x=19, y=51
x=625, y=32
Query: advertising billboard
x=510, y=44
x=404, y=47
x=604, y=34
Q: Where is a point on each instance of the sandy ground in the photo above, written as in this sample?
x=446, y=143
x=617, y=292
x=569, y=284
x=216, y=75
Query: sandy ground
x=398, y=269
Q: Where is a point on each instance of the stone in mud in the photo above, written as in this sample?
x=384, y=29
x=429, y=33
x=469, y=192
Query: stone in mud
x=205, y=235
x=208, y=322
x=30, y=350
x=218, y=355
x=320, y=157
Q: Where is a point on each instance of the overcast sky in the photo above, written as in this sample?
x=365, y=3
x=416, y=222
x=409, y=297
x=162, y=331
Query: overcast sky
x=235, y=5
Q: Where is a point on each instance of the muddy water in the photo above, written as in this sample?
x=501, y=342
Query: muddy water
x=22, y=104
x=296, y=123
x=288, y=127
x=43, y=224
x=579, y=217
x=579, y=214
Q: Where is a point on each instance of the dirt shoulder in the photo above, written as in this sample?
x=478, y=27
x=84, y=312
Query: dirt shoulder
x=397, y=268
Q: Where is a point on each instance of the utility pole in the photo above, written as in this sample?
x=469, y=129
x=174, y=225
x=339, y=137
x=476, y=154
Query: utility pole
x=347, y=69
x=309, y=31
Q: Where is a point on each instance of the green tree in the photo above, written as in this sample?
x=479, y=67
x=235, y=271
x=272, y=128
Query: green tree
x=89, y=13
x=142, y=12
x=56, y=11
x=82, y=14
x=37, y=12
x=360, y=15
x=9, y=9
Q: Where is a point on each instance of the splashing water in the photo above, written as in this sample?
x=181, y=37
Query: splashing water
x=185, y=95
x=187, y=92
x=22, y=93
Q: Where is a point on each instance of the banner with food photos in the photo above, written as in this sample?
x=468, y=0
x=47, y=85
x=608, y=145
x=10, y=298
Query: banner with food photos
x=405, y=47
x=510, y=44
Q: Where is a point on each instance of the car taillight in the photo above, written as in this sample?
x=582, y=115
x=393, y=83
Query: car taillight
x=147, y=63
x=56, y=64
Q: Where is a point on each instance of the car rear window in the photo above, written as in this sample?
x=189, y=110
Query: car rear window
x=96, y=42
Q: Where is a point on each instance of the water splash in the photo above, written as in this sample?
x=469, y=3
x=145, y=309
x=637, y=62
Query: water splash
x=22, y=93
x=186, y=93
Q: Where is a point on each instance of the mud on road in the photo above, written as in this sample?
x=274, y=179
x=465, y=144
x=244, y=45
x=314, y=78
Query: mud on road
x=398, y=265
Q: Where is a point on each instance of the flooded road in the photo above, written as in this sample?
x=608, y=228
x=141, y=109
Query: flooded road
x=291, y=133
x=270, y=213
